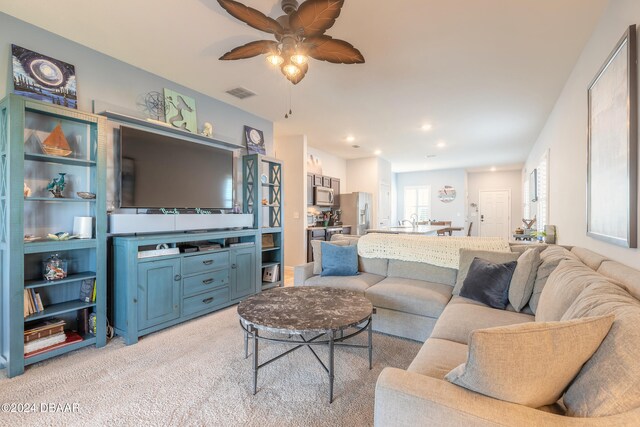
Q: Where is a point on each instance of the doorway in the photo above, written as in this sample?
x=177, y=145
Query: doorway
x=495, y=213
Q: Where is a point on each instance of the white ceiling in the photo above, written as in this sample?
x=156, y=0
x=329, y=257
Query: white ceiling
x=484, y=73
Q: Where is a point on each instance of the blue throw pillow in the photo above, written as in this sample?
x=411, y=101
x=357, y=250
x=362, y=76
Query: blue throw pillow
x=339, y=260
x=488, y=282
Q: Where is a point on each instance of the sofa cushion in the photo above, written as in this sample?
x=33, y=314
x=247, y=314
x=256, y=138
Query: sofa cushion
x=358, y=283
x=437, y=357
x=550, y=259
x=339, y=260
x=462, y=316
x=422, y=271
x=529, y=364
x=563, y=287
x=609, y=383
x=467, y=256
x=524, y=278
x=488, y=282
x=627, y=277
x=589, y=258
x=410, y=296
x=373, y=265
x=316, y=246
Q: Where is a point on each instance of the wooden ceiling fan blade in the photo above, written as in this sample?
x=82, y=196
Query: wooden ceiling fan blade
x=250, y=50
x=314, y=17
x=252, y=17
x=325, y=48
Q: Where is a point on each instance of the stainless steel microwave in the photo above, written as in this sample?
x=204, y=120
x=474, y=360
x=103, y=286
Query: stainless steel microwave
x=322, y=196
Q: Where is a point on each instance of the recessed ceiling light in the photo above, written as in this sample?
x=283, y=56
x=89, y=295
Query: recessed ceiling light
x=351, y=138
x=441, y=144
x=377, y=152
x=426, y=127
x=493, y=169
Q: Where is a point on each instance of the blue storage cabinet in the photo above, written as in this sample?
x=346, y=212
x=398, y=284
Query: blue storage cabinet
x=154, y=293
x=24, y=125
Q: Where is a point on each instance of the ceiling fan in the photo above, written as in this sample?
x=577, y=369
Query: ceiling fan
x=299, y=34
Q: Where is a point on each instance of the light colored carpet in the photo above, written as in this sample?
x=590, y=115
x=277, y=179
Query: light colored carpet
x=195, y=374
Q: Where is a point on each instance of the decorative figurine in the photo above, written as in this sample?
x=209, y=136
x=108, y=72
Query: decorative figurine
x=27, y=190
x=207, y=130
x=56, y=186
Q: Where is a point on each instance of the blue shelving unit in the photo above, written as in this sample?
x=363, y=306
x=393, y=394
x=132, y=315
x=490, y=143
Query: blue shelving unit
x=24, y=124
x=263, y=196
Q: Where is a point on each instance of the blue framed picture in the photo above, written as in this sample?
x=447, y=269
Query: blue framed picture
x=254, y=139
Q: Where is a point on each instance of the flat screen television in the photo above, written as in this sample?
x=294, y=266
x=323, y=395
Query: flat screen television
x=159, y=171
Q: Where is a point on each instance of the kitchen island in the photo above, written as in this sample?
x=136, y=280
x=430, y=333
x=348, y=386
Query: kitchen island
x=425, y=230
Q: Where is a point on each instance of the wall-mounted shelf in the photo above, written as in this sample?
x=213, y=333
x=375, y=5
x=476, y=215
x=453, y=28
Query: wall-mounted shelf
x=224, y=141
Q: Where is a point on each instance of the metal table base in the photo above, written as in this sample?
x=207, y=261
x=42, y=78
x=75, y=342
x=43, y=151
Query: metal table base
x=332, y=341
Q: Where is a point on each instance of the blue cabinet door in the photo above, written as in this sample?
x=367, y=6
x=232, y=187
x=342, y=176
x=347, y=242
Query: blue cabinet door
x=243, y=272
x=158, y=292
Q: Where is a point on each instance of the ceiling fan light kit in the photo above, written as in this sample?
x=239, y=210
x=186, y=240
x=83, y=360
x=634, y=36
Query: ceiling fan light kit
x=299, y=36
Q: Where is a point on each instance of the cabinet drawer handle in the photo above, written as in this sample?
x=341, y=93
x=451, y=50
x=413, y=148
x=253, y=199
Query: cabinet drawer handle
x=177, y=277
x=207, y=300
x=208, y=262
x=233, y=266
x=208, y=281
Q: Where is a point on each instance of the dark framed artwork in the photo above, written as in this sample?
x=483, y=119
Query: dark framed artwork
x=612, y=147
x=254, y=139
x=43, y=78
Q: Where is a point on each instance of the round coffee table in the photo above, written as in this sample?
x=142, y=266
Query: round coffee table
x=296, y=311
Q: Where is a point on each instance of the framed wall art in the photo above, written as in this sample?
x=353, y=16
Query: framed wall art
x=43, y=78
x=613, y=147
x=254, y=139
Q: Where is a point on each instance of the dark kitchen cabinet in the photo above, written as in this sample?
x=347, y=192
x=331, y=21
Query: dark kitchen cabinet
x=310, y=178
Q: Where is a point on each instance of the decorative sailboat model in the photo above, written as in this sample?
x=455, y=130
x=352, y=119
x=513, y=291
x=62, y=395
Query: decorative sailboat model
x=56, y=143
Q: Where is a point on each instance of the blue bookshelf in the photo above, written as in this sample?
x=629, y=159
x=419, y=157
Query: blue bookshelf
x=263, y=198
x=24, y=125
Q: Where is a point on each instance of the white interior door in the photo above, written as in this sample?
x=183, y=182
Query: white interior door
x=495, y=208
x=384, y=206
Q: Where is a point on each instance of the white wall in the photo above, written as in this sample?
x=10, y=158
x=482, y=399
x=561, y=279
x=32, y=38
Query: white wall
x=453, y=211
x=564, y=134
x=333, y=166
x=499, y=180
x=292, y=151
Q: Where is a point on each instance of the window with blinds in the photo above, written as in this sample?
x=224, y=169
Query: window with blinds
x=417, y=201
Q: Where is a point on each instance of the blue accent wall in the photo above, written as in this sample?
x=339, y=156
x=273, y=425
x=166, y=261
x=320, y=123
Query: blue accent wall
x=118, y=84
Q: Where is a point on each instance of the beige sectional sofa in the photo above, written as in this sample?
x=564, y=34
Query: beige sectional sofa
x=414, y=300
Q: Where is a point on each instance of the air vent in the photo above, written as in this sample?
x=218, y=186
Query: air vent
x=241, y=93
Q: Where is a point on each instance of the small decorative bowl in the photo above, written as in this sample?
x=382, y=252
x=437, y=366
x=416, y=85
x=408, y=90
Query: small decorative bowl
x=85, y=195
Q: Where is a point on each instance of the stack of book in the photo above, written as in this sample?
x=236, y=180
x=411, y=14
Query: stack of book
x=47, y=336
x=32, y=302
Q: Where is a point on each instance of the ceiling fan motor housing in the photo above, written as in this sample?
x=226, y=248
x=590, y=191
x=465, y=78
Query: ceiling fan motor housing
x=289, y=6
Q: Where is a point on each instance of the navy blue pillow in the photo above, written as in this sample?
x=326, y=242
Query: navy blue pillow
x=488, y=282
x=339, y=260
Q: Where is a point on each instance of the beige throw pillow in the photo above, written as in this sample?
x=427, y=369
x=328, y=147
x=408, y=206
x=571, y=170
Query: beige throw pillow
x=550, y=258
x=317, y=252
x=531, y=363
x=609, y=383
x=523, y=278
x=563, y=287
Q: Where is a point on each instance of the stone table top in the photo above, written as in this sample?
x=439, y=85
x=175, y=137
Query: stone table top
x=303, y=309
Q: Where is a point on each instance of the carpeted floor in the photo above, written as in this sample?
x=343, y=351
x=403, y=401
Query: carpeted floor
x=195, y=374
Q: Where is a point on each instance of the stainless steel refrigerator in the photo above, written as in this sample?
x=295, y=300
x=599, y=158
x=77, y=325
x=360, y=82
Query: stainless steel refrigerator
x=356, y=211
